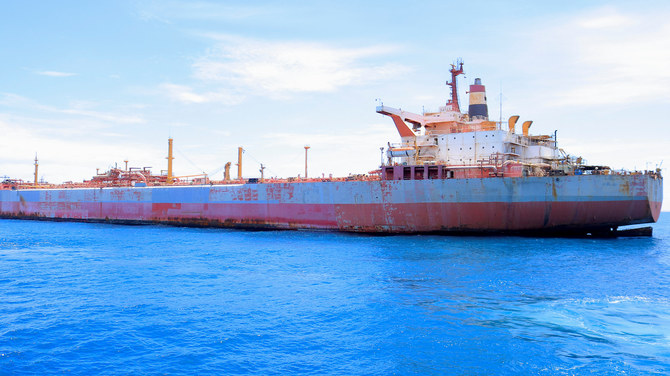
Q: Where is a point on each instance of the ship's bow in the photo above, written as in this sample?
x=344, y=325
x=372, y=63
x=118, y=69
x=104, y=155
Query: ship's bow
x=655, y=194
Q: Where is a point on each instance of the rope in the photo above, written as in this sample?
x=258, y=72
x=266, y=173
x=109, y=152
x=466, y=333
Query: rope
x=188, y=160
x=259, y=163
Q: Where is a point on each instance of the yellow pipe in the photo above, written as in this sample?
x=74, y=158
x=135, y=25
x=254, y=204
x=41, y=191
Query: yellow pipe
x=526, y=126
x=226, y=174
x=239, y=163
x=512, y=122
x=170, y=179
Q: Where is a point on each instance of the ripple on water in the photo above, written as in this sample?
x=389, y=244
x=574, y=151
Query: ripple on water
x=99, y=299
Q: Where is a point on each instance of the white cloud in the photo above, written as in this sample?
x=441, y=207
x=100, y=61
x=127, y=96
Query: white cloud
x=353, y=151
x=604, y=19
x=183, y=93
x=370, y=135
x=104, y=116
x=606, y=56
x=237, y=67
x=13, y=100
x=186, y=94
x=64, y=158
x=278, y=68
x=77, y=109
x=55, y=74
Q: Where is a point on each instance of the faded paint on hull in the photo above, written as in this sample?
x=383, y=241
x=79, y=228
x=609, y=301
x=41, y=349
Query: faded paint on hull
x=405, y=206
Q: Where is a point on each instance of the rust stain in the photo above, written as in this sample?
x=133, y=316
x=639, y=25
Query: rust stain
x=625, y=187
x=553, y=190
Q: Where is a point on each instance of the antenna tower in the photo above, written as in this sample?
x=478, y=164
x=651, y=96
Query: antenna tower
x=455, y=70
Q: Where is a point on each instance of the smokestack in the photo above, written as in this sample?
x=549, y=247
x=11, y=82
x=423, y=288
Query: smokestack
x=478, y=107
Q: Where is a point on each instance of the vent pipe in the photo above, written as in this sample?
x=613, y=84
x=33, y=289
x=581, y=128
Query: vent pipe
x=512, y=122
x=526, y=125
x=170, y=177
x=239, y=163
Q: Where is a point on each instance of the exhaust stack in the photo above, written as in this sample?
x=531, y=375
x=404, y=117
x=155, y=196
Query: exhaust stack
x=478, y=108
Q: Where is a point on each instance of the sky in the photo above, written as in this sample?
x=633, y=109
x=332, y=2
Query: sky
x=85, y=85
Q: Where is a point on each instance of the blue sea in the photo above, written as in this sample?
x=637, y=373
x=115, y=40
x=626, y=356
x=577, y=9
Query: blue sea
x=99, y=299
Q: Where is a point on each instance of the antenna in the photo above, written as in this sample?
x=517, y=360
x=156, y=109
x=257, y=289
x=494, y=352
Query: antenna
x=500, y=103
x=306, y=148
x=36, y=167
x=455, y=70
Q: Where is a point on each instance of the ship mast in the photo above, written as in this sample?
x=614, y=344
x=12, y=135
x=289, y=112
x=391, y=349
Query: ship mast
x=36, y=167
x=453, y=102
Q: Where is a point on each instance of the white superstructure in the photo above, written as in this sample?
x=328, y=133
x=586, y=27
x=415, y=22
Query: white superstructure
x=451, y=138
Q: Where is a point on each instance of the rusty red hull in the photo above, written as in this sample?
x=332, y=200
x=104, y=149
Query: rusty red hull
x=571, y=203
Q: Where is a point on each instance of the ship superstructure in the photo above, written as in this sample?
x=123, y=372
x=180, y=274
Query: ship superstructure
x=471, y=145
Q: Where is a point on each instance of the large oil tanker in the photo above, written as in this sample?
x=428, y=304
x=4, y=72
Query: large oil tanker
x=452, y=172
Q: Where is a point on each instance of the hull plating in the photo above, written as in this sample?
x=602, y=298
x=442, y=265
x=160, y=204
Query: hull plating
x=406, y=206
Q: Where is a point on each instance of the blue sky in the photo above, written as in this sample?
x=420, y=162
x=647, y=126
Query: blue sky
x=86, y=84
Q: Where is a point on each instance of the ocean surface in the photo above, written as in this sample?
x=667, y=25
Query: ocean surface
x=98, y=299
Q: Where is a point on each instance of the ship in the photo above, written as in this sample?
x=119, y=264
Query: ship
x=452, y=172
